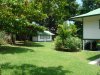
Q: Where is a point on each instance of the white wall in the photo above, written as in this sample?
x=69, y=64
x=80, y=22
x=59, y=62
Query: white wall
x=45, y=38
x=91, y=28
x=34, y=38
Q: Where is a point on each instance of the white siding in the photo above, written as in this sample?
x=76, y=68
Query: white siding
x=45, y=38
x=34, y=38
x=91, y=28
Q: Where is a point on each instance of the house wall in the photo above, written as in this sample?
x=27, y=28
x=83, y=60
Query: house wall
x=91, y=27
x=35, y=38
x=45, y=38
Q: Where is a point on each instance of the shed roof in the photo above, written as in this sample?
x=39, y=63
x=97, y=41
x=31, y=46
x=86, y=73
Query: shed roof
x=46, y=33
x=91, y=13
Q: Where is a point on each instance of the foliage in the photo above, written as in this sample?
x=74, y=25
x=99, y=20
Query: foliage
x=89, y=5
x=58, y=43
x=79, y=27
x=70, y=44
x=2, y=39
x=73, y=44
x=57, y=12
x=67, y=39
x=17, y=18
x=64, y=31
x=48, y=13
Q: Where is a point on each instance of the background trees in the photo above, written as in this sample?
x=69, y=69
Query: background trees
x=57, y=12
x=16, y=16
x=89, y=5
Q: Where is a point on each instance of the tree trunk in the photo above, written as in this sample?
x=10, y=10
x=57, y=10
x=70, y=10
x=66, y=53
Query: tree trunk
x=13, y=38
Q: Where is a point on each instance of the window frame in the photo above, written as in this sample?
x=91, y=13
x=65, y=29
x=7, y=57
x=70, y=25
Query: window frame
x=99, y=24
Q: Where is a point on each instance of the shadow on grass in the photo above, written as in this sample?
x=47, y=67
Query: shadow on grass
x=28, y=69
x=13, y=50
x=29, y=44
x=94, y=57
x=67, y=50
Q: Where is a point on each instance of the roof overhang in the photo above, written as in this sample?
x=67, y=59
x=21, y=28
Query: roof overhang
x=46, y=33
x=89, y=14
x=76, y=18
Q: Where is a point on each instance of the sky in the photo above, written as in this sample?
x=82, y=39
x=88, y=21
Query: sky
x=79, y=1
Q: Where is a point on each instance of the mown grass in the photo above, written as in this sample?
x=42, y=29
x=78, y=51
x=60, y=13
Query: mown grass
x=40, y=58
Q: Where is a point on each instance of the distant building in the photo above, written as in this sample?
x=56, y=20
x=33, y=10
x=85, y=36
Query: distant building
x=43, y=36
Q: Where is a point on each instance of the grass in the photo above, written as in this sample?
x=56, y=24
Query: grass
x=40, y=58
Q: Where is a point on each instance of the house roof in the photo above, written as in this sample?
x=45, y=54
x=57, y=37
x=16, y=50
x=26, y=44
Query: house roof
x=46, y=33
x=91, y=13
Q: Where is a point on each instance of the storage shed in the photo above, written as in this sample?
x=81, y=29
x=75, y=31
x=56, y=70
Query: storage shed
x=43, y=36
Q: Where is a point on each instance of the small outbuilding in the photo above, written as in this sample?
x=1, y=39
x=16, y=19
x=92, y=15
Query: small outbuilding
x=43, y=36
x=91, y=26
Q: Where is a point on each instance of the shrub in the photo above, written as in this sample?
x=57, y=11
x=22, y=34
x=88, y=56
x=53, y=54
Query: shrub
x=58, y=43
x=73, y=44
x=2, y=40
x=66, y=39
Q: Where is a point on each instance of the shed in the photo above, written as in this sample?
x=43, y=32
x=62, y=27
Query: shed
x=91, y=25
x=43, y=36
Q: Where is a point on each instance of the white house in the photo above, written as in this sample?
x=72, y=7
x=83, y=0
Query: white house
x=91, y=25
x=43, y=36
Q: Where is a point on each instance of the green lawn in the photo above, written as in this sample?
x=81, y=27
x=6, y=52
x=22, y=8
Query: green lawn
x=41, y=59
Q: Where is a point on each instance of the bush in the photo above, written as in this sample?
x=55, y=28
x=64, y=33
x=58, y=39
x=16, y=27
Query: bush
x=71, y=44
x=66, y=39
x=58, y=43
x=2, y=40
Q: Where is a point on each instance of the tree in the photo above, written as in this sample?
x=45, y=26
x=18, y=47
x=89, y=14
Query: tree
x=89, y=5
x=48, y=13
x=16, y=18
x=65, y=31
x=57, y=12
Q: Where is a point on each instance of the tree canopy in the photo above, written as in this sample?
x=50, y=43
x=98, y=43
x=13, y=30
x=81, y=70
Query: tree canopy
x=89, y=5
x=57, y=12
x=17, y=18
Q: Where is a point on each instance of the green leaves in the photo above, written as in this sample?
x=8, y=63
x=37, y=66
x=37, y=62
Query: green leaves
x=89, y=5
x=17, y=18
x=66, y=39
x=65, y=30
x=57, y=12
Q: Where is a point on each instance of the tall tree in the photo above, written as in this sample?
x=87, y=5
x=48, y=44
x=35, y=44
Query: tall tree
x=89, y=5
x=57, y=11
x=16, y=18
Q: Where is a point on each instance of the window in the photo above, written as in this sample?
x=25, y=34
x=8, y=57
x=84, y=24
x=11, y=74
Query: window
x=99, y=24
x=48, y=36
x=44, y=36
x=41, y=37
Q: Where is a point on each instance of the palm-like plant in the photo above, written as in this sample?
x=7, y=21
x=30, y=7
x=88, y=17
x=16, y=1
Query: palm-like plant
x=65, y=31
